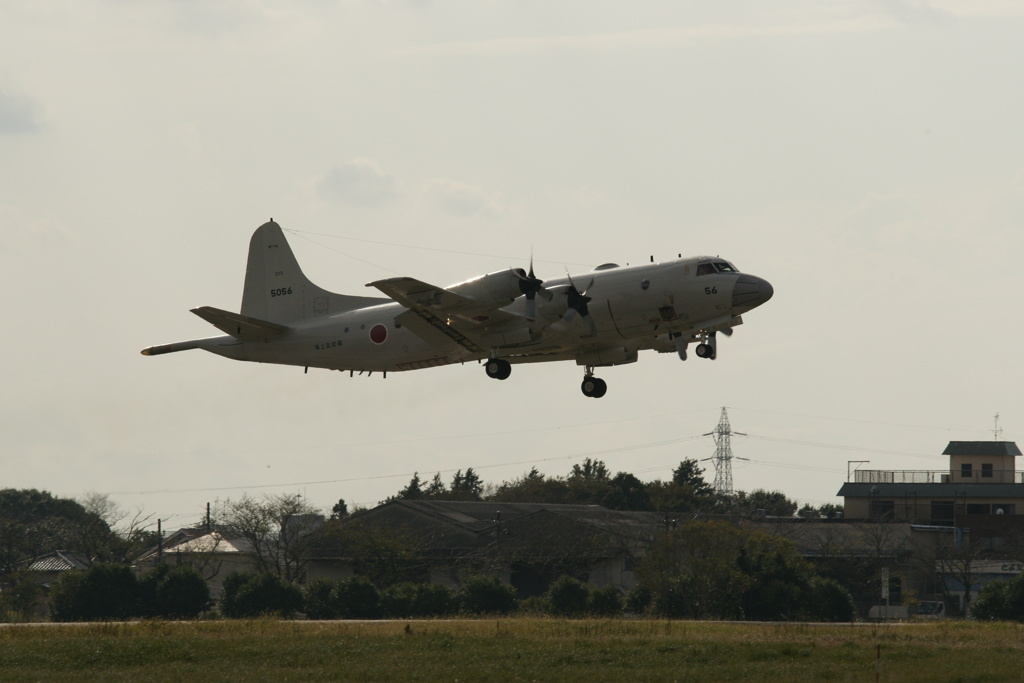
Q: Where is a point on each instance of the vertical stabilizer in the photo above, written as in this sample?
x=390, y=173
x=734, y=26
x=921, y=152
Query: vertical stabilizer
x=276, y=289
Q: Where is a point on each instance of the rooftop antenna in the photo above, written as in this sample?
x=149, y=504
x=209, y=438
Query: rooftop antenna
x=723, y=454
x=997, y=432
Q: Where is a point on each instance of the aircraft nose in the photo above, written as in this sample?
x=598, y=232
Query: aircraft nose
x=751, y=291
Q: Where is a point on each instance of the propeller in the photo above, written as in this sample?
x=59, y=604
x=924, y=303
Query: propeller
x=577, y=302
x=529, y=285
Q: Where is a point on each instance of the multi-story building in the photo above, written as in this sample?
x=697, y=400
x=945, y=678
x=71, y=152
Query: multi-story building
x=981, y=480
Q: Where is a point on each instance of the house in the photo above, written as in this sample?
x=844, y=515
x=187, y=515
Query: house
x=981, y=481
x=213, y=554
x=47, y=568
x=526, y=545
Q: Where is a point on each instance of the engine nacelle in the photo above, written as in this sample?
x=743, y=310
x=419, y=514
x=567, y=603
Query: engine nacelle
x=494, y=289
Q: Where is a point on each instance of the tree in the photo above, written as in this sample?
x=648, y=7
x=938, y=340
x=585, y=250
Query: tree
x=826, y=511
x=686, y=492
x=590, y=470
x=725, y=571
x=277, y=528
x=626, y=492
x=436, y=488
x=384, y=555
x=960, y=557
x=533, y=487
x=690, y=473
x=112, y=534
x=413, y=491
x=35, y=522
x=760, y=501
x=339, y=510
x=466, y=486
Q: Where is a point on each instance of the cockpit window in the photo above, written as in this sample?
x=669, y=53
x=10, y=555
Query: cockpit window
x=709, y=267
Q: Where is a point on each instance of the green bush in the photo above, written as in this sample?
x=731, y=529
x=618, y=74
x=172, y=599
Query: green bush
x=19, y=597
x=358, y=599
x=486, y=595
x=638, y=599
x=103, y=592
x=321, y=599
x=1000, y=600
x=173, y=592
x=567, y=597
x=434, y=600
x=417, y=600
x=605, y=602
x=827, y=600
x=253, y=595
x=676, y=599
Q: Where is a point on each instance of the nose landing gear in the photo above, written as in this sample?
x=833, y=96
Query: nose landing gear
x=708, y=348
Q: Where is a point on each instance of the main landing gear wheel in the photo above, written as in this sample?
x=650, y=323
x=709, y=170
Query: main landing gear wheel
x=498, y=368
x=594, y=387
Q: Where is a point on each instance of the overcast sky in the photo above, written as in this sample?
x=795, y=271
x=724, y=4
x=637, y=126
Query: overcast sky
x=864, y=157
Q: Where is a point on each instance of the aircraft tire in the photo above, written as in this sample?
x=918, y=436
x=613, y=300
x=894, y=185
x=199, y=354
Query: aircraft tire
x=498, y=369
x=593, y=387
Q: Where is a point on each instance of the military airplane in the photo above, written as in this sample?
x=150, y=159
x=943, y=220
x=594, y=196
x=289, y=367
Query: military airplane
x=600, y=319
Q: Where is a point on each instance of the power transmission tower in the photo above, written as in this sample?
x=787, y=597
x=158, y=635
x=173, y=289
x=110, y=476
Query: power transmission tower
x=723, y=454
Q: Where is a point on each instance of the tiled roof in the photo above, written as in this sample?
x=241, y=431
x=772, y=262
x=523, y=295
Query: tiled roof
x=57, y=561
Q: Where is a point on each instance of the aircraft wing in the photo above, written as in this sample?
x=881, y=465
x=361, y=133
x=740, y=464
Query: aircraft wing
x=436, y=309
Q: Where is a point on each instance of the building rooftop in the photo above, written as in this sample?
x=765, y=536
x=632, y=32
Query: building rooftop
x=952, y=490
x=985, y=448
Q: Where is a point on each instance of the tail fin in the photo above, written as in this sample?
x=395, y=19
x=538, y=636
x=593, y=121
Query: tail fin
x=277, y=291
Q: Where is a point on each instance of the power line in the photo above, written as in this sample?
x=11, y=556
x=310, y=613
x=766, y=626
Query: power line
x=572, y=456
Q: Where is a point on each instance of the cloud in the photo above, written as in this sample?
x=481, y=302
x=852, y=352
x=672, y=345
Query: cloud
x=17, y=114
x=464, y=200
x=359, y=182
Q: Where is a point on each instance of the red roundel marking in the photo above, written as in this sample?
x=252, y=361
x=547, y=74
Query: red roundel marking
x=378, y=333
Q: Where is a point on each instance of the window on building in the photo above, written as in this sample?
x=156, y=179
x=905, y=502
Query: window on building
x=986, y=470
x=882, y=510
x=979, y=509
x=994, y=543
x=965, y=470
x=942, y=512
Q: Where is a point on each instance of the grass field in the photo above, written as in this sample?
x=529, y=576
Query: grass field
x=510, y=650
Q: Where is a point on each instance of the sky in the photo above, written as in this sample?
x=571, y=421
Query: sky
x=864, y=157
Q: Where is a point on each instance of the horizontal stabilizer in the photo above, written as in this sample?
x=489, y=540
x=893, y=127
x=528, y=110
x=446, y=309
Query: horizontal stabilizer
x=170, y=348
x=240, y=326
